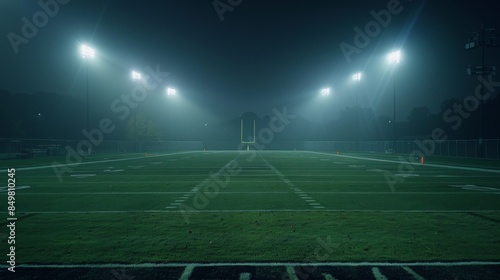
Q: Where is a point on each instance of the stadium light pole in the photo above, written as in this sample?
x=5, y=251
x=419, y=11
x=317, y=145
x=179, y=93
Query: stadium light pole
x=394, y=59
x=87, y=53
x=136, y=76
x=325, y=92
x=171, y=92
x=357, y=78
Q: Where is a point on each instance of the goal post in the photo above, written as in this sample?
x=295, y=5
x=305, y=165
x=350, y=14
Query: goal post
x=241, y=136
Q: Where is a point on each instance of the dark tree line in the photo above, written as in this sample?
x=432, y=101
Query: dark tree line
x=53, y=116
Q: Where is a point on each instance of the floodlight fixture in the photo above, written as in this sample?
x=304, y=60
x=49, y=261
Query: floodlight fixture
x=136, y=75
x=87, y=52
x=357, y=77
x=325, y=92
x=171, y=91
x=395, y=57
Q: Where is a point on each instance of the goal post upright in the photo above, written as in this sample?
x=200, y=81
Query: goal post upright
x=241, y=135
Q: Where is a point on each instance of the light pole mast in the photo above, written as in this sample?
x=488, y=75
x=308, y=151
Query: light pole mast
x=357, y=78
x=394, y=145
x=394, y=58
x=484, y=38
x=88, y=102
x=87, y=53
x=136, y=76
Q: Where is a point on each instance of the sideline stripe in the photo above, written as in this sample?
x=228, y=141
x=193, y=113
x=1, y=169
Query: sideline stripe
x=93, y=162
x=258, y=264
x=414, y=163
x=255, y=211
x=187, y=272
x=413, y=273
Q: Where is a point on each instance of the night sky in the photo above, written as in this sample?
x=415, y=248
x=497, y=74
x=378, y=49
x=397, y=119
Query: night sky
x=261, y=55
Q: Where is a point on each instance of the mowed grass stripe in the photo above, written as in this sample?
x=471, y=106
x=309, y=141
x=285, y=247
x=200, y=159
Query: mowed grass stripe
x=263, y=237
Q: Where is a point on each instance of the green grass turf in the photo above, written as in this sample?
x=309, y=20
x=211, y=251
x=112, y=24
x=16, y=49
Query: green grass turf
x=120, y=214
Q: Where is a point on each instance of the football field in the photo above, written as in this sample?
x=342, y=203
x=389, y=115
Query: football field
x=254, y=215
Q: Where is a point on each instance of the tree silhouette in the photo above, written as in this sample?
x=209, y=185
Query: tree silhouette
x=142, y=128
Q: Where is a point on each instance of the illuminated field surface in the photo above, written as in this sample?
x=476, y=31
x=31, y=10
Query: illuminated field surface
x=256, y=215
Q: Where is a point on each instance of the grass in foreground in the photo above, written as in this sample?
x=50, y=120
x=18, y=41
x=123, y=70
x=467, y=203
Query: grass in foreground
x=223, y=237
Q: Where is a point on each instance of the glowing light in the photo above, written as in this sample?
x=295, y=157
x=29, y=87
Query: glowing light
x=357, y=77
x=136, y=75
x=395, y=57
x=171, y=91
x=87, y=51
x=325, y=92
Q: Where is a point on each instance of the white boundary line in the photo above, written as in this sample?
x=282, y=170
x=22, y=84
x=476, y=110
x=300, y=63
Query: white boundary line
x=250, y=192
x=261, y=264
x=94, y=162
x=413, y=163
x=257, y=211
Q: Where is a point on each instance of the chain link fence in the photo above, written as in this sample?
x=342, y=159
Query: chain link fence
x=30, y=148
x=489, y=148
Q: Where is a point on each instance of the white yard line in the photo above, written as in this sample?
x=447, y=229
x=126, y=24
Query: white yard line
x=291, y=273
x=256, y=211
x=245, y=276
x=377, y=274
x=198, y=187
x=143, y=193
x=415, y=275
x=187, y=272
x=250, y=192
x=291, y=185
x=328, y=276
